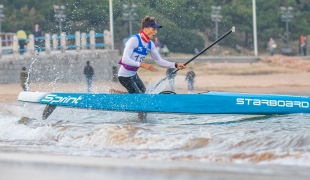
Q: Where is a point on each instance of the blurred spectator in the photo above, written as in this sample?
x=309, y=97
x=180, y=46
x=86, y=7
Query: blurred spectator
x=89, y=72
x=165, y=50
x=196, y=51
x=24, y=78
x=37, y=35
x=301, y=40
x=171, y=78
x=303, y=45
x=272, y=46
x=22, y=36
x=157, y=44
x=238, y=48
x=190, y=76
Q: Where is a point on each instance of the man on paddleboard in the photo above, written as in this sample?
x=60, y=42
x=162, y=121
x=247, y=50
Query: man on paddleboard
x=136, y=49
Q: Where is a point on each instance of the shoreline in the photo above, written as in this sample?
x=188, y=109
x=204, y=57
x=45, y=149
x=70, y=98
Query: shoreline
x=9, y=92
x=262, y=78
x=15, y=165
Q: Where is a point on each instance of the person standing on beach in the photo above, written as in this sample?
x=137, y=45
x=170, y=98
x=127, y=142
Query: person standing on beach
x=22, y=36
x=37, y=35
x=165, y=50
x=136, y=48
x=190, y=76
x=157, y=44
x=304, y=46
x=89, y=72
x=272, y=46
x=24, y=78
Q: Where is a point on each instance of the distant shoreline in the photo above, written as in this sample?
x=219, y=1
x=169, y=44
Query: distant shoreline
x=236, y=77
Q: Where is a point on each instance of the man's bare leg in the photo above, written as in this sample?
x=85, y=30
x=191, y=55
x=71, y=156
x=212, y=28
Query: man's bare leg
x=141, y=115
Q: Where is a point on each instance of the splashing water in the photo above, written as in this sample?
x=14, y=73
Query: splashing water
x=30, y=70
x=150, y=89
x=243, y=139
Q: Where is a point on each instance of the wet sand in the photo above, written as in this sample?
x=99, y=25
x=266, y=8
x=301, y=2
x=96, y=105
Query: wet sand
x=38, y=166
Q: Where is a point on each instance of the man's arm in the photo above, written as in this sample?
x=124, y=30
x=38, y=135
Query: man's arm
x=131, y=44
x=162, y=62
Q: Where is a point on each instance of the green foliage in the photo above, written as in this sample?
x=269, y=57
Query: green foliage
x=179, y=40
x=180, y=19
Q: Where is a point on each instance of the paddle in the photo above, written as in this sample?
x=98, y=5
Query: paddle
x=162, y=80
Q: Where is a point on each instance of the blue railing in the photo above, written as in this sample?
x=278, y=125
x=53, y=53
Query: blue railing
x=70, y=43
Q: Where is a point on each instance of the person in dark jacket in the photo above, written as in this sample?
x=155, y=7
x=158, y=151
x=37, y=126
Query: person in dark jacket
x=171, y=77
x=37, y=37
x=89, y=72
x=24, y=79
x=190, y=76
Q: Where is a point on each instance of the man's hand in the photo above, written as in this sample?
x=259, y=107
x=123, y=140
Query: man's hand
x=181, y=66
x=147, y=66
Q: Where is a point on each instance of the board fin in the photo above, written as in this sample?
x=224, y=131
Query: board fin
x=48, y=111
x=142, y=116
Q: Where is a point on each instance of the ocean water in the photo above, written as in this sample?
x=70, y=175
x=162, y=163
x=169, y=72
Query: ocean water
x=234, y=139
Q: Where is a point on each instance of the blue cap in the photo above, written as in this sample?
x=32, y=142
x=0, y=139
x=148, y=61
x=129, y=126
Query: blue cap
x=152, y=24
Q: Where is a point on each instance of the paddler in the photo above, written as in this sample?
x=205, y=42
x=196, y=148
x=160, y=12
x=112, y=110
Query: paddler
x=136, y=48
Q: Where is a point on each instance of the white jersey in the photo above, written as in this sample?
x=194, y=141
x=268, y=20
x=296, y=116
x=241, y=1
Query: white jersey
x=134, y=53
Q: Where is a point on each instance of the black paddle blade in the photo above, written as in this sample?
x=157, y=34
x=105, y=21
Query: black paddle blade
x=48, y=111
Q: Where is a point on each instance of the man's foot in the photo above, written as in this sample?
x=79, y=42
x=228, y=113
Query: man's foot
x=142, y=116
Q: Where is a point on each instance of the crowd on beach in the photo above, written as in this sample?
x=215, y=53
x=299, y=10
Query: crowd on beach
x=302, y=47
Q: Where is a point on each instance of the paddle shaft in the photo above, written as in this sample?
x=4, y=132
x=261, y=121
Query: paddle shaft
x=176, y=70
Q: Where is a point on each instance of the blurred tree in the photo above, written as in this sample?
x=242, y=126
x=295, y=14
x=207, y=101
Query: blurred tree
x=28, y=16
x=182, y=16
